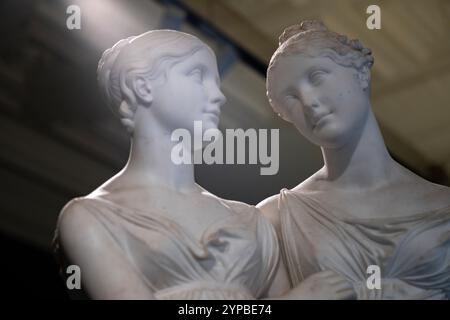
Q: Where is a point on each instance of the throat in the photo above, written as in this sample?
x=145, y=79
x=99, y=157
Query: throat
x=363, y=162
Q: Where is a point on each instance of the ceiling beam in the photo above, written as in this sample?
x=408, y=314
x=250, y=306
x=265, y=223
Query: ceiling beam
x=234, y=26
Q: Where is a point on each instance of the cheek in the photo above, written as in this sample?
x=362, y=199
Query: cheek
x=190, y=95
x=296, y=116
x=342, y=88
x=303, y=126
x=351, y=104
x=335, y=95
x=344, y=96
x=196, y=93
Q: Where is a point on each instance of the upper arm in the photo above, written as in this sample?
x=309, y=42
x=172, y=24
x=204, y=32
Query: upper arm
x=105, y=273
x=269, y=209
x=281, y=284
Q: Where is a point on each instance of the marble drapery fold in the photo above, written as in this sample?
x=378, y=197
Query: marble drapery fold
x=235, y=258
x=413, y=252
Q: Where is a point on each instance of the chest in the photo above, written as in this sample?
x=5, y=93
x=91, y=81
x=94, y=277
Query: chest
x=193, y=216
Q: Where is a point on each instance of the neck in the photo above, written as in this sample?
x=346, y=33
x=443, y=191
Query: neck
x=363, y=162
x=150, y=164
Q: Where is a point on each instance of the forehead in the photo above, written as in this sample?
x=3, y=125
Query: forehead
x=296, y=66
x=290, y=70
x=203, y=56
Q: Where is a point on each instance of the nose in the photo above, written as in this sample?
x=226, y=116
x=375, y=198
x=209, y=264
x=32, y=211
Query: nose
x=308, y=100
x=217, y=97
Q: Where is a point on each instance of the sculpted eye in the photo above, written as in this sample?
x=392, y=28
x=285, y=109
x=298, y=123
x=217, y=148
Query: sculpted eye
x=316, y=77
x=291, y=100
x=290, y=97
x=196, y=74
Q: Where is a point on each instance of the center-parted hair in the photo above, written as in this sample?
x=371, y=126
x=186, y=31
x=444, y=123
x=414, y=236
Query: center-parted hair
x=149, y=55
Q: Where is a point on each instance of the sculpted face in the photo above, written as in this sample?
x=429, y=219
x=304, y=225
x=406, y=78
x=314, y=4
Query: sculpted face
x=325, y=101
x=189, y=93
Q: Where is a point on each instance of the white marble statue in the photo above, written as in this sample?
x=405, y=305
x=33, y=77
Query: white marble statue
x=151, y=232
x=362, y=208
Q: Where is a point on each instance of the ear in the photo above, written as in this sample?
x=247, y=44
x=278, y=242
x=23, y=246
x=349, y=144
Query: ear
x=364, y=77
x=143, y=90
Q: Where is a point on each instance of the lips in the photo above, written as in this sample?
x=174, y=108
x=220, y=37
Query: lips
x=214, y=112
x=316, y=119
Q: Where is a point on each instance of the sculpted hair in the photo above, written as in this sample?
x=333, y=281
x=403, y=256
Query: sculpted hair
x=149, y=55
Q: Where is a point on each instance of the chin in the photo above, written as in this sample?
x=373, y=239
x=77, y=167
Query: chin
x=330, y=137
x=210, y=124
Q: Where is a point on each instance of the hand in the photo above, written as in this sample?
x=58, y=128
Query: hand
x=325, y=285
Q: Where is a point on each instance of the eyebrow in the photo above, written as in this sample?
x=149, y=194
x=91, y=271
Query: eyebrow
x=315, y=68
x=204, y=67
x=196, y=66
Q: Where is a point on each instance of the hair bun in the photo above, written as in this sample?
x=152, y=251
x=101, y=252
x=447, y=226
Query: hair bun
x=306, y=25
x=104, y=70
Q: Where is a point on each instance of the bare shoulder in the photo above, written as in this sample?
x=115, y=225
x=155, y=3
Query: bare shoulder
x=270, y=210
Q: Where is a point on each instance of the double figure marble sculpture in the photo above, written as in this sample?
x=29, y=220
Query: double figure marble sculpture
x=151, y=232
x=362, y=208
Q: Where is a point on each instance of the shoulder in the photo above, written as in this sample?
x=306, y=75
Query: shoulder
x=71, y=213
x=314, y=183
x=423, y=191
x=234, y=205
x=74, y=212
x=270, y=210
x=238, y=207
x=85, y=243
x=77, y=227
x=439, y=195
x=431, y=195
